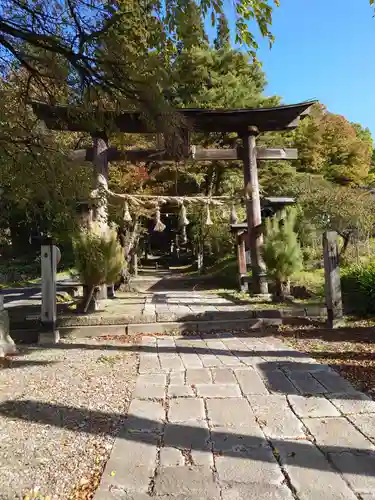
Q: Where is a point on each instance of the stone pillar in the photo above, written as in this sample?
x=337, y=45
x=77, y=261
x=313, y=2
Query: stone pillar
x=7, y=345
x=241, y=261
x=48, y=333
x=100, y=164
x=253, y=210
x=332, y=278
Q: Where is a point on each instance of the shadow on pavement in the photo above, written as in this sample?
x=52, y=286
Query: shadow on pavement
x=301, y=453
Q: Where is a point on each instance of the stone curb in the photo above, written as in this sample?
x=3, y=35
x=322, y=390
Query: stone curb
x=172, y=327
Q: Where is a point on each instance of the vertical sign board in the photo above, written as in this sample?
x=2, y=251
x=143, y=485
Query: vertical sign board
x=50, y=256
x=332, y=278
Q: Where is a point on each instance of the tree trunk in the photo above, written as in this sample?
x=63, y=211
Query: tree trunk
x=346, y=238
x=282, y=290
x=209, y=179
x=129, y=239
x=90, y=300
x=219, y=173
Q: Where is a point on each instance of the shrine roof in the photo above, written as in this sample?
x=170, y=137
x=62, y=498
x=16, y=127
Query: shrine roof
x=205, y=120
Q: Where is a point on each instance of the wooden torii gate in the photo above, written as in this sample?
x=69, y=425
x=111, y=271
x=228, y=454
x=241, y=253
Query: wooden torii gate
x=247, y=123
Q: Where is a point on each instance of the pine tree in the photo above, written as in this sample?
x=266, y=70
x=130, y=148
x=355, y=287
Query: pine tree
x=222, y=40
x=281, y=251
x=190, y=27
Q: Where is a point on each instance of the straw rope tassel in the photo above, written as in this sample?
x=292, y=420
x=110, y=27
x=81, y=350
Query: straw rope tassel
x=233, y=215
x=159, y=226
x=183, y=235
x=127, y=216
x=183, y=220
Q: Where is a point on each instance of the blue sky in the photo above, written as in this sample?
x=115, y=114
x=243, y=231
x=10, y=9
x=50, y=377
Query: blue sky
x=325, y=50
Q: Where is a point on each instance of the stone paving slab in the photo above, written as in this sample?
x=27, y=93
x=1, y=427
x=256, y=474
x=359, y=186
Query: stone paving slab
x=177, y=378
x=306, y=383
x=224, y=376
x=333, y=382
x=365, y=423
x=218, y=391
x=187, y=481
x=185, y=410
x=180, y=391
x=132, y=463
x=276, y=418
x=256, y=465
x=353, y=403
x=194, y=435
x=277, y=382
x=148, y=363
x=357, y=469
x=171, y=457
x=337, y=434
x=310, y=473
x=221, y=414
x=149, y=391
x=258, y=491
x=312, y=407
x=220, y=417
x=240, y=438
x=250, y=382
x=198, y=376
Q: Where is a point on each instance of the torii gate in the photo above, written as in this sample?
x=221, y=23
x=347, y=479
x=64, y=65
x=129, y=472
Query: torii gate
x=247, y=123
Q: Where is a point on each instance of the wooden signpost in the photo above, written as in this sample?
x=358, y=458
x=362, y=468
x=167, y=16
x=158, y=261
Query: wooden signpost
x=50, y=257
x=332, y=278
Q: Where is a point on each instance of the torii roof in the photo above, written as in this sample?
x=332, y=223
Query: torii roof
x=205, y=120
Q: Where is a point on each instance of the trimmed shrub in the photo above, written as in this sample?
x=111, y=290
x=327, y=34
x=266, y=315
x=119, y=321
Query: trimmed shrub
x=99, y=259
x=358, y=289
x=281, y=251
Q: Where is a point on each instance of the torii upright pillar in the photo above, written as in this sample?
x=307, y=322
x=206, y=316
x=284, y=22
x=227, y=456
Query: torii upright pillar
x=100, y=164
x=253, y=211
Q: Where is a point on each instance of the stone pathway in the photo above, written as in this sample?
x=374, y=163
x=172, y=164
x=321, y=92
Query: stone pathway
x=228, y=418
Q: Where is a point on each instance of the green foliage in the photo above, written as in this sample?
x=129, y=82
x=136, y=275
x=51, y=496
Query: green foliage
x=349, y=211
x=204, y=77
x=331, y=146
x=216, y=240
x=112, y=50
x=224, y=271
x=222, y=40
x=358, y=289
x=99, y=258
x=39, y=185
x=281, y=250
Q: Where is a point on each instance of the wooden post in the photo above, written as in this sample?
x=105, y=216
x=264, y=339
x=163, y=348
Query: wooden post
x=332, y=278
x=200, y=257
x=253, y=210
x=241, y=261
x=48, y=333
x=100, y=164
x=135, y=265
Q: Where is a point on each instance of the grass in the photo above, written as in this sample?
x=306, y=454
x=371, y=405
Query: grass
x=224, y=270
x=313, y=280
x=243, y=298
x=32, y=281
